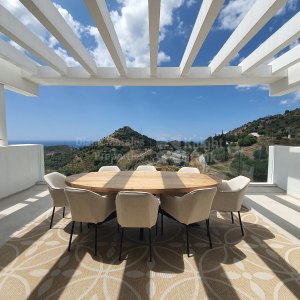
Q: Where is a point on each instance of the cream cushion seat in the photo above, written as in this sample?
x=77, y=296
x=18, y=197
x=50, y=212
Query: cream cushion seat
x=146, y=168
x=56, y=185
x=189, y=208
x=136, y=210
x=230, y=195
x=88, y=207
x=109, y=169
x=188, y=170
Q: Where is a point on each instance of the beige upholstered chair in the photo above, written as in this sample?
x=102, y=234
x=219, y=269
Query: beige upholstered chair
x=89, y=207
x=230, y=196
x=56, y=184
x=146, y=168
x=109, y=169
x=188, y=170
x=188, y=209
x=136, y=210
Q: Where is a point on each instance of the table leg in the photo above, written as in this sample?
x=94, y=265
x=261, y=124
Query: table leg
x=141, y=234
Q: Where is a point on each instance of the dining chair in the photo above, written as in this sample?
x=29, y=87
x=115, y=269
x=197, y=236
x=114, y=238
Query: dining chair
x=56, y=184
x=109, y=169
x=89, y=207
x=136, y=210
x=146, y=168
x=188, y=209
x=230, y=195
x=188, y=170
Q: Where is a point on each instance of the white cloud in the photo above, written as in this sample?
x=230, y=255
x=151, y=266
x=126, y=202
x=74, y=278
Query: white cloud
x=232, y=14
x=190, y=3
x=24, y=16
x=130, y=22
x=293, y=100
x=75, y=25
x=17, y=46
x=246, y=87
x=294, y=44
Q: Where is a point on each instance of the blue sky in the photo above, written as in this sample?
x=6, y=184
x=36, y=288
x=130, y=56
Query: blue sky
x=189, y=113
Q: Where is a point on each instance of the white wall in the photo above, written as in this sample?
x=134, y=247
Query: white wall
x=293, y=183
x=21, y=166
x=284, y=168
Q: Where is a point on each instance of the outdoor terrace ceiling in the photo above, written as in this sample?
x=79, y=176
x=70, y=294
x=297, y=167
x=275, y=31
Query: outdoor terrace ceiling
x=22, y=74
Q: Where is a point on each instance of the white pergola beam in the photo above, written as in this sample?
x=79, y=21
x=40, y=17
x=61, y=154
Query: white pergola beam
x=286, y=60
x=14, y=29
x=208, y=12
x=259, y=14
x=289, y=84
x=154, y=18
x=284, y=36
x=100, y=14
x=16, y=57
x=168, y=76
x=13, y=78
x=50, y=17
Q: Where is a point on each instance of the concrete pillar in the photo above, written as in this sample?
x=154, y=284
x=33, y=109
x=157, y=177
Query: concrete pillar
x=3, y=130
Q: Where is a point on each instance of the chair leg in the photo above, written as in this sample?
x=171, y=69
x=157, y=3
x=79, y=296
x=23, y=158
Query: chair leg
x=187, y=240
x=162, y=222
x=208, y=233
x=80, y=226
x=232, y=220
x=149, y=231
x=88, y=225
x=96, y=233
x=118, y=227
x=52, y=217
x=241, y=223
x=156, y=226
x=121, y=242
x=70, y=241
x=64, y=209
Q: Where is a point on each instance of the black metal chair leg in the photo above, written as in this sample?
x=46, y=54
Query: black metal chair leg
x=187, y=240
x=64, y=209
x=208, y=233
x=206, y=228
x=156, y=226
x=118, y=227
x=150, y=252
x=88, y=225
x=232, y=220
x=121, y=242
x=80, y=226
x=52, y=217
x=241, y=223
x=70, y=241
x=162, y=222
x=96, y=233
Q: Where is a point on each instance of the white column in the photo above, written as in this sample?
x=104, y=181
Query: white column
x=3, y=131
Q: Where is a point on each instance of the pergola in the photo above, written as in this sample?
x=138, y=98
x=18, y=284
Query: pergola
x=22, y=74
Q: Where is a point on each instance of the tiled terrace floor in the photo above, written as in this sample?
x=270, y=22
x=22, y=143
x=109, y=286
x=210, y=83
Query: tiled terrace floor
x=265, y=264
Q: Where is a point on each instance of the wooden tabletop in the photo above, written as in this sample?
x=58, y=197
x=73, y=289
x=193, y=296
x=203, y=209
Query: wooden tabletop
x=152, y=182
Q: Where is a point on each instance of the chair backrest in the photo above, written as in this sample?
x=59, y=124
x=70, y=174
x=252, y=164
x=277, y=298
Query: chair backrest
x=230, y=194
x=188, y=170
x=146, y=168
x=109, y=169
x=137, y=209
x=87, y=206
x=56, y=184
x=196, y=205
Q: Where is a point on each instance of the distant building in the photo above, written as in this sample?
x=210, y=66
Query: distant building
x=254, y=134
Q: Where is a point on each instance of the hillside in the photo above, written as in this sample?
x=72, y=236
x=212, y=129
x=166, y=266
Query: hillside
x=222, y=156
x=278, y=126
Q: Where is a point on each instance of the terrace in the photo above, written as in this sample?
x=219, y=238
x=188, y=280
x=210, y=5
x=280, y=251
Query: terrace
x=35, y=263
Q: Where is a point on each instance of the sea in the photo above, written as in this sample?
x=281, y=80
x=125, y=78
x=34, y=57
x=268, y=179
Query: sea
x=73, y=144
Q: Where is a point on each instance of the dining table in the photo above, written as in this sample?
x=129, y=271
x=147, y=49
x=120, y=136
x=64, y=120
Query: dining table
x=155, y=182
